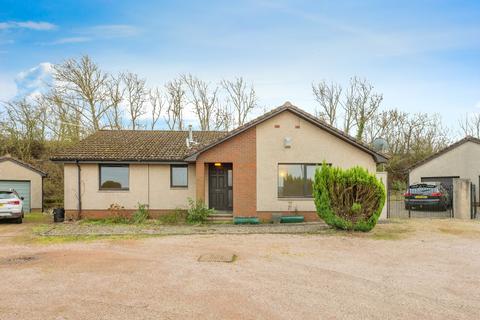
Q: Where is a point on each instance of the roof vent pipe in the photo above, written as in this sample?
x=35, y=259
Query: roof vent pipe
x=190, y=141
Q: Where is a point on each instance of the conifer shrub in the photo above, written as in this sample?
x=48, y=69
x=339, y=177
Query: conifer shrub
x=348, y=199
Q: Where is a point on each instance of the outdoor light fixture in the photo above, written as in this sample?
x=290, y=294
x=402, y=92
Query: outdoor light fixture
x=217, y=164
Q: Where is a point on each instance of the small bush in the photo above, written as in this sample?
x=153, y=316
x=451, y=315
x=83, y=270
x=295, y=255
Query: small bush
x=350, y=199
x=178, y=216
x=141, y=215
x=197, y=211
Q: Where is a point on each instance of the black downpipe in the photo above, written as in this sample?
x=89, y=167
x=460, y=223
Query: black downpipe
x=43, y=196
x=79, y=188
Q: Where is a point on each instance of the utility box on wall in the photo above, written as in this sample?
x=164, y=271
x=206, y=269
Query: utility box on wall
x=287, y=142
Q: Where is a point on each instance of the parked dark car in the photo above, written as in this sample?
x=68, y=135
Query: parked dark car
x=428, y=195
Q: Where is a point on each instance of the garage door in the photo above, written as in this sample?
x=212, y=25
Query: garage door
x=23, y=189
x=447, y=182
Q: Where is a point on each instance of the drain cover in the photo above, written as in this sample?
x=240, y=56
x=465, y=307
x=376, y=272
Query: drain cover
x=215, y=257
x=17, y=260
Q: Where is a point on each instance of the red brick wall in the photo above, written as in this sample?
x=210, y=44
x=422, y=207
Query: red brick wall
x=241, y=152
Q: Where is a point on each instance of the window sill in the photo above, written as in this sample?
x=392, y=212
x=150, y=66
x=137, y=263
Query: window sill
x=178, y=188
x=295, y=199
x=113, y=190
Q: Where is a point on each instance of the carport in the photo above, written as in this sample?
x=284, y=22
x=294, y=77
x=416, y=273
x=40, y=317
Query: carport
x=23, y=178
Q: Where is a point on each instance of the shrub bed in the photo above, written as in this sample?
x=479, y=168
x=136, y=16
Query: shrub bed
x=349, y=199
x=197, y=211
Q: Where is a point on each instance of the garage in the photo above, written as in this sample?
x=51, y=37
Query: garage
x=459, y=160
x=25, y=179
x=22, y=188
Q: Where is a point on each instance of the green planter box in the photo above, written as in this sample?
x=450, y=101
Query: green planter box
x=246, y=220
x=292, y=219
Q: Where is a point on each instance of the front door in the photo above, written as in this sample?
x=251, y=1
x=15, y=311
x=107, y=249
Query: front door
x=220, y=187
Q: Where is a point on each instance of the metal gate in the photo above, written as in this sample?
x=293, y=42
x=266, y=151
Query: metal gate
x=396, y=208
x=473, y=199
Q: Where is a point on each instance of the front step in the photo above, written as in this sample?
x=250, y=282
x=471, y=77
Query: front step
x=220, y=217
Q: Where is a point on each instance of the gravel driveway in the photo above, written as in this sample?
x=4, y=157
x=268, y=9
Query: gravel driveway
x=430, y=273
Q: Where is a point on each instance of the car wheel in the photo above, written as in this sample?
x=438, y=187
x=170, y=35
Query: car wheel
x=18, y=220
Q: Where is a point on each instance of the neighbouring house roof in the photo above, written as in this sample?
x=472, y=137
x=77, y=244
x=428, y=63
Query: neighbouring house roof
x=157, y=145
x=23, y=164
x=287, y=106
x=445, y=150
x=135, y=145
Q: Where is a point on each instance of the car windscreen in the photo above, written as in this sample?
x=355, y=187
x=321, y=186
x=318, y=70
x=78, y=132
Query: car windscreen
x=7, y=195
x=423, y=189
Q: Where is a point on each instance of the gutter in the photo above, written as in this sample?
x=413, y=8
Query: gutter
x=79, y=189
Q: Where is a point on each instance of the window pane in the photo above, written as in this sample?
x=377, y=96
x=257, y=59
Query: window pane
x=7, y=195
x=290, y=180
x=114, y=177
x=179, y=176
x=230, y=178
x=309, y=180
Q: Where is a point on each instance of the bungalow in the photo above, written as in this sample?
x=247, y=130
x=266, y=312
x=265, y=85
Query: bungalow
x=263, y=167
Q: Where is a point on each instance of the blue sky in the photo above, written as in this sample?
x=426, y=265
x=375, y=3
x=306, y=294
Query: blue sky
x=422, y=55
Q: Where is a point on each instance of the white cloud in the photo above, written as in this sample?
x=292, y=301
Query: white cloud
x=97, y=32
x=112, y=31
x=8, y=88
x=34, y=81
x=67, y=40
x=32, y=25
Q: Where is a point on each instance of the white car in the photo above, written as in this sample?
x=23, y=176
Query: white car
x=11, y=205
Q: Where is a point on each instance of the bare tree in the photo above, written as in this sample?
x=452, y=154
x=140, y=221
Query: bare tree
x=470, y=125
x=224, y=118
x=348, y=106
x=358, y=103
x=81, y=85
x=204, y=100
x=366, y=104
x=65, y=120
x=328, y=97
x=136, y=97
x=115, y=93
x=242, y=97
x=157, y=102
x=175, y=104
x=24, y=126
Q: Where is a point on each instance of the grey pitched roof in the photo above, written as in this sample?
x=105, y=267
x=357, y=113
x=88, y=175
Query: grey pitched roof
x=23, y=164
x=445, y=150
x=135, y=145
x=160, y=145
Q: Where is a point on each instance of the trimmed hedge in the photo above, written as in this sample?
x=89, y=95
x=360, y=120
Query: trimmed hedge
x=349, y=199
